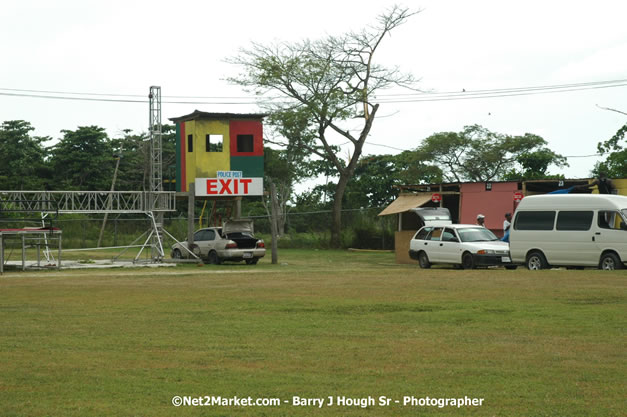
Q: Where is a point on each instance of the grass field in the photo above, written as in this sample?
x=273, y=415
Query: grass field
x=322, y=323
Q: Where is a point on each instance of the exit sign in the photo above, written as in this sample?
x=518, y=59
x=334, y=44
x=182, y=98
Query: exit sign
x=226, y=186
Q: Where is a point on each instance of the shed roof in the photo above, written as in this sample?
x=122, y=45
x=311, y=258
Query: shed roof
x=197, y=114
x=405, y=202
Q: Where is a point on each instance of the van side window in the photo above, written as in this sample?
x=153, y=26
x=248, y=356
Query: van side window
x=574, y=220
x=534, y=220
x=608, y=219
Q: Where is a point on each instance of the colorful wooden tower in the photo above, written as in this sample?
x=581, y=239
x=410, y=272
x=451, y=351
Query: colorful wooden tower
x=210, y=144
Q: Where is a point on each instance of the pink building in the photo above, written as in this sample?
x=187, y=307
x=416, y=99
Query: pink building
x=464, y=201
x=493, y=203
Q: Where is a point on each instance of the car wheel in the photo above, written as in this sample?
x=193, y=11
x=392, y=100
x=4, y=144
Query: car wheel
x=213, y=258
x=176, y=254
x=468, y=262
x=536, y=261
x=511, y=267
x=423, y=260
x=610, y=262
x=252, y=261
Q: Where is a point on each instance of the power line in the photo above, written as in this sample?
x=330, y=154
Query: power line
x=385, y=98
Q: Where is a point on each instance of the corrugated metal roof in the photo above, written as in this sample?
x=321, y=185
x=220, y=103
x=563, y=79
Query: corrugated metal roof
x=197, y=114
x=404, y=203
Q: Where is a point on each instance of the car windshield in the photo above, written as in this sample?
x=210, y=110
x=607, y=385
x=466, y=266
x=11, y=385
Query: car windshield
x=476, y=234
x=624, y=211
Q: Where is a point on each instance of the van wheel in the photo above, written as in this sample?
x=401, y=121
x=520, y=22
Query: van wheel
x=423, y=260
x=610, y=262
x=536, y=261
x=468, y=262
x=176, y=254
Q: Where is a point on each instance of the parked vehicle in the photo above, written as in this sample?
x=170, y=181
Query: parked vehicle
x=432, y=216
x=570, y=230
x=234, y=241
x=465, y=245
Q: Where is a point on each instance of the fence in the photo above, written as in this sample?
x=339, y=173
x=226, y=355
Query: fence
x=361, y=228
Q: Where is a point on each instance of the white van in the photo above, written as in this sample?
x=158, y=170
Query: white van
x=570, y=230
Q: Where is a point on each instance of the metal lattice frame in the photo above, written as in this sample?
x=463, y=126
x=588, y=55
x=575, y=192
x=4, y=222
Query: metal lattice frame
x=156, y=165
x=153, y=203
x=87, y=201
x=156, y=171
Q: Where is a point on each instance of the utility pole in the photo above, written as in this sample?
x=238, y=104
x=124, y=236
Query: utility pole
x=274, y=219
x=115, y=176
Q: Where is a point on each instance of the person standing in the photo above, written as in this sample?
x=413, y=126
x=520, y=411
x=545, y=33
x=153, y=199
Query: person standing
x=507, y=222
x=481, y=220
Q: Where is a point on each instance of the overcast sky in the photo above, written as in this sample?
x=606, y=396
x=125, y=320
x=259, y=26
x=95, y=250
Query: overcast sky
x=124, y=47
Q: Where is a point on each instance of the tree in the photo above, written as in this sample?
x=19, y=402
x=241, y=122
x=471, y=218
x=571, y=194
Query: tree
x=292, y=163
x=476, y=154
x=83, y=160
x=327, y=82
x=22, y=165
x=615, y=165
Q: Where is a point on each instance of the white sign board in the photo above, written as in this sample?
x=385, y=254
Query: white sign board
x=229, y=186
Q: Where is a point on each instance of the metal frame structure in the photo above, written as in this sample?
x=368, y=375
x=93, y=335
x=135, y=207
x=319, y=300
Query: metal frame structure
x=153, y=202
x=87, y=201
x=156, y=172
x=34, y=235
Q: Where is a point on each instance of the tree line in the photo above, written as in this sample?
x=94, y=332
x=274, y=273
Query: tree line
x=328, y=90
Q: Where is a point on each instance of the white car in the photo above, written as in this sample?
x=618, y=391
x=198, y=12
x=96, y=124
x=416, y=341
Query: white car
x=234, y=241
x=464, y=245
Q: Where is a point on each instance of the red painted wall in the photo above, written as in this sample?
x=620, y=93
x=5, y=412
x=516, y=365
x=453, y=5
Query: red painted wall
x=492, y=204
x=246, y=127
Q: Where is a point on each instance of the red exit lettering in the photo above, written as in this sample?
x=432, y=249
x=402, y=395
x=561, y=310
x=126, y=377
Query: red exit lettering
x=217, y=186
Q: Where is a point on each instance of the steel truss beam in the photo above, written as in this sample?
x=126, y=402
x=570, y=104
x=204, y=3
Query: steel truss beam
x=87, y=201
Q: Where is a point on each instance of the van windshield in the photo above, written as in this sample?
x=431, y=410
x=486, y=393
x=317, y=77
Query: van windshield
x=476, y=234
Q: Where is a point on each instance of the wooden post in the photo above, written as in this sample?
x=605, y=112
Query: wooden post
x=238, y=207
x=60, y=237
x=191, y=203
x=23, y=253
x=274, y=211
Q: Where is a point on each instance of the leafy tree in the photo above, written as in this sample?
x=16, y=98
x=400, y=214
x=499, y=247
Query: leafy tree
x=476, y=154
x=615, y=164
x=292, y=162
x=327, y=82
x=22, y=165
x=83, y=160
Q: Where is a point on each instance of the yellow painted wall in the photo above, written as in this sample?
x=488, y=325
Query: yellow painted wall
x=203, y=164
x=620, y=184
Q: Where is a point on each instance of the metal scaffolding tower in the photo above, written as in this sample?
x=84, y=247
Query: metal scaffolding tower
x=156, y=165
x=156, y=171
x=153, y=202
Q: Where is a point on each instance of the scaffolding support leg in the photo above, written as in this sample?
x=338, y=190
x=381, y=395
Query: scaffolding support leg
x=127, y=248
x=144, y=245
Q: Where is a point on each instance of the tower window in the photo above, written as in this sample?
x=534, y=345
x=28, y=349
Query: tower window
x=213, y=143
x=245, y=143
x=190, y=143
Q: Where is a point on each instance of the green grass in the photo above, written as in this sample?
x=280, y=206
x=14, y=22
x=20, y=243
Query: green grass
x=321, y=323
